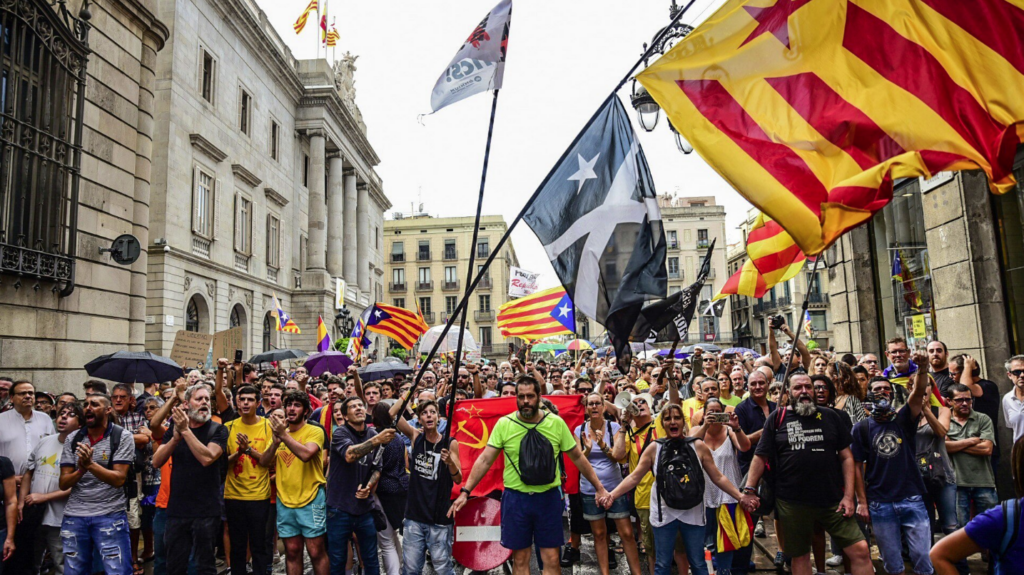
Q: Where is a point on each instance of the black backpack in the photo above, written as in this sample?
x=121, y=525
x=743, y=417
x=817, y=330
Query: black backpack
x=537, y=465
x=131, y=487
x=680, y=477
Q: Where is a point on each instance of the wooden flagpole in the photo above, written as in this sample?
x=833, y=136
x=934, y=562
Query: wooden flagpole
x=464, y=304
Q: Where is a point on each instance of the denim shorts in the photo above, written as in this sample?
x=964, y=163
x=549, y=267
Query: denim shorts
x=531, y=518
x=309, y=520
x=592, y=512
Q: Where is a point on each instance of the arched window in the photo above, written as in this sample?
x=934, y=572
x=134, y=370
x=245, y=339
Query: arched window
x=192, y=315
x=236, y=316
x=268, y=330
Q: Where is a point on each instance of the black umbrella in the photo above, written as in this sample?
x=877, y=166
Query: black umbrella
x=708, y=347
x=277, y=355
x=383, y=370
x=134, y=367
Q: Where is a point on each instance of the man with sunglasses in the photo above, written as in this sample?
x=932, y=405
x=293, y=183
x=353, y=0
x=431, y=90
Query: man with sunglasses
x=970, y=442
x=1013, y=402
x=869, y=361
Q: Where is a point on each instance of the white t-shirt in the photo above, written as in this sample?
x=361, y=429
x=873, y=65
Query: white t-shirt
x=1013, y=412
x=44, y=462
x=19, y=437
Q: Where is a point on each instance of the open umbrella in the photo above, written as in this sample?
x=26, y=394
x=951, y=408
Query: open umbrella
x=547, y=347
x=383, y=370
x=741, y=351
x=277, y=355
x=679, y=354
x=451, y=341
x=134, y=367
x=579, y=345
x=709, y=347
x=332, y=361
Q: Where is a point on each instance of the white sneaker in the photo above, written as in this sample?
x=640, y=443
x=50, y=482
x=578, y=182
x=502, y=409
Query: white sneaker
x=834, y=561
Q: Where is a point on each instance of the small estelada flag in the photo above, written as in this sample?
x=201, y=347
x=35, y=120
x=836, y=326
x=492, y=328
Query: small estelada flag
x=479, y=65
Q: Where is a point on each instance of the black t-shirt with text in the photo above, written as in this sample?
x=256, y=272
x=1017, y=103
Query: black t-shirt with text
x=804, y=455
x=195, y=489
x=430, y=484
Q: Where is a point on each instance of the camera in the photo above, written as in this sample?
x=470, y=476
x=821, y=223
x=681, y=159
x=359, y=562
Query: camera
x=776, y=321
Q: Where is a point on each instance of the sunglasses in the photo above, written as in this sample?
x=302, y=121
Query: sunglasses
x=1017, y=372
x=962, y=399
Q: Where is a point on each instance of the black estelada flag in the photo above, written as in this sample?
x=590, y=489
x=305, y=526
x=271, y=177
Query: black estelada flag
x=597, y=216
x=677, y=308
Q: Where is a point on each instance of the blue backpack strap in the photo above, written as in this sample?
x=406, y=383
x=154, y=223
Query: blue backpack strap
x=1011, y=515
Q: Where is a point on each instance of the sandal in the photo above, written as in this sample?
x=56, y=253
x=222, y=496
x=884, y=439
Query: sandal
x=138, y=568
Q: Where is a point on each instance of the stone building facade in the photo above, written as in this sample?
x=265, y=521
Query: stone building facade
x=427, y=262
x=49, y=329
x=263, y=183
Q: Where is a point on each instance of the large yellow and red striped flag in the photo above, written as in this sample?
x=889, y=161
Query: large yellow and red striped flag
x=398, y=323
x=810, y=108
x=300, y=24
x=540, y=314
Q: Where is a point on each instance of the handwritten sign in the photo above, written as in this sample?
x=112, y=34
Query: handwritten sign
x=920, y=329
x=521, y=282
x=189, y=349
x=226, y=342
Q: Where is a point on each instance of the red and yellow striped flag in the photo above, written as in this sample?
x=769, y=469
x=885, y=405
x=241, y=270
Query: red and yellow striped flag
x=332, y=37
x=748, y=281
x=773, y=251
x=300, y=24
x=398, y=323
x=540, y=314
x=811, y=108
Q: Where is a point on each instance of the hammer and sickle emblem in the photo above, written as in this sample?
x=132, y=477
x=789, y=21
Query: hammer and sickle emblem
x=481, y=442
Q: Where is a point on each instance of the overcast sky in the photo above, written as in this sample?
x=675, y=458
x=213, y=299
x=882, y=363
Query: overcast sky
x=563, y=58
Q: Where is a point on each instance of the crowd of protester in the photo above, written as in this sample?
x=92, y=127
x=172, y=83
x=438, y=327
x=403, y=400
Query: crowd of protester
x=254, y=466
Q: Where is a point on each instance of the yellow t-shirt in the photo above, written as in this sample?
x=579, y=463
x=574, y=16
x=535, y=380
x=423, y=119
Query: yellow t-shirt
x=247, y=479
x=691, y=406
x=636, y=441
x=298, y=483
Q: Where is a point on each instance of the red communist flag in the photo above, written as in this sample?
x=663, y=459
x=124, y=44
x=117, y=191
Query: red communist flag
x=471, y=427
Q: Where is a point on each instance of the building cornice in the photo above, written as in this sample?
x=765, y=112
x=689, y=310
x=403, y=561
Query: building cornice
x=138, y=11
x=207, y=147
x=327, y=97
x=242, y=173
x=275, y=197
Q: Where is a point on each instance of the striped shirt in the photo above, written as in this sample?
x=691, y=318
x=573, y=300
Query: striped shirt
x=90, y=496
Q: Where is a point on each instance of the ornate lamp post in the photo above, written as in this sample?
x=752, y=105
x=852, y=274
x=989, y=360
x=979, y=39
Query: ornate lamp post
x=343, y=323
x=647, y=110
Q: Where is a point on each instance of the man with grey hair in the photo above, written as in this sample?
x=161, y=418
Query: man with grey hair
x=1013, y=401
x=193, y=507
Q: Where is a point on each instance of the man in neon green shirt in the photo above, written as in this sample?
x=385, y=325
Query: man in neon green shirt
x=527, y=515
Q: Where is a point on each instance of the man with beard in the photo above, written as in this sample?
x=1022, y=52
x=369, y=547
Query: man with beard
x=354, y=474
x=301, y=502
x=193, y=508
x=94, y=469
x=434, y=470
x=247, y=489
x=970, y=442
x=808, y=449
x=526, y=517
x=888, y=478
x=668, y=522
x=938, y=361
x=41, y=501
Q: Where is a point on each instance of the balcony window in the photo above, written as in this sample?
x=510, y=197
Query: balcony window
x=275, y=131
x=399, y=301
x=244, y=112
x=243, y=225
x=424, y=251
x=207, y=76
x=485, y=302
x=483, y=248
x=673, y=268
x=703, y=240
x=450, y=303
x=425, y=306
x=397, y=252
x=673, y=239
x=273, y=241
x=450, y=252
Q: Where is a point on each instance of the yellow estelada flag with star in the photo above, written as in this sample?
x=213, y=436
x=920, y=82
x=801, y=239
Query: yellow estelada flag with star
x=811, y=108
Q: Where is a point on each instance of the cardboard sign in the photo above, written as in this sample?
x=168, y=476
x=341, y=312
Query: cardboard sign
x=521, y=282
x=920, y=330
x=226, y=342
x=190, y=348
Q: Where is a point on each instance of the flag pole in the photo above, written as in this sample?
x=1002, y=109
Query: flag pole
x=522, y=213
x=469, y=272
x=796, y=335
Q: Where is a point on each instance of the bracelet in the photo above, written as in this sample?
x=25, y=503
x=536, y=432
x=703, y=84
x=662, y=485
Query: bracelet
x=749, y=490
x=466, y=491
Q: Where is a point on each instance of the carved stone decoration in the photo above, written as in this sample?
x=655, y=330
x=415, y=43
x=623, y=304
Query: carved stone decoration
x=248, y=299
x=344, y=78
x=211, y=288
x=231, y=292
x=188, y=282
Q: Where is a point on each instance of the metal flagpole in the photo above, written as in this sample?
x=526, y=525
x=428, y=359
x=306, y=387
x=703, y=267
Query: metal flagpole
x=522, y=213
x=796, y=335
x=469, y=273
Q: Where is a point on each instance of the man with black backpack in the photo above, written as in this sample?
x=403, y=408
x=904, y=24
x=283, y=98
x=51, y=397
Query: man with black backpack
x=197, y=445
x=94, y=465
x=533, y=443
x=677, y=493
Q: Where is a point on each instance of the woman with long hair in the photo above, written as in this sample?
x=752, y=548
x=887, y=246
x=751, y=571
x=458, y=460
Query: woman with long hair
x=848, y=393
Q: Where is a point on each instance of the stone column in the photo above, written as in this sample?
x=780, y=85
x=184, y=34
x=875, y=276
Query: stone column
x=141, y=198
x=363, y=213
x=317, y=248
x=335, y=216
x=351, y=259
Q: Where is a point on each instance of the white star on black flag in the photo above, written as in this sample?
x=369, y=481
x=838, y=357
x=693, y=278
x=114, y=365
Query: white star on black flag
x=598, y=218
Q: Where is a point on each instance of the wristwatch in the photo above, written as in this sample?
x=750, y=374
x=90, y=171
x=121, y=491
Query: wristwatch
x=466, y=491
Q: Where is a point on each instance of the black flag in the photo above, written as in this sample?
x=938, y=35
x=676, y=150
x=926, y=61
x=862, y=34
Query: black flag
x=597, y=216
x=677, y=308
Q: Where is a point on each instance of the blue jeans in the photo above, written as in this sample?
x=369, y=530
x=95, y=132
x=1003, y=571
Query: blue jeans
x=108, y=534
x=340, y=528
x=893, y=521
x=159, y=549
x=418, y=538
x=984, y=498
x=945, y=504
x=665, y=543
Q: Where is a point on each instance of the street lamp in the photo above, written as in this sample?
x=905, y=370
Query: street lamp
x=647, y=110
x=343, y=322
